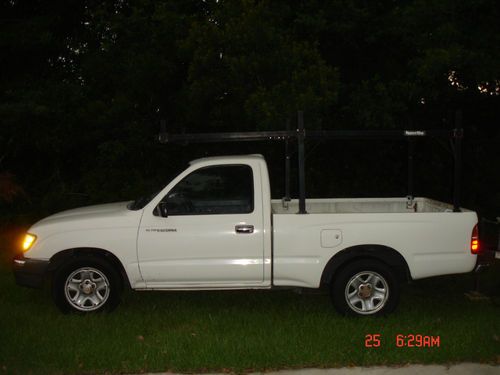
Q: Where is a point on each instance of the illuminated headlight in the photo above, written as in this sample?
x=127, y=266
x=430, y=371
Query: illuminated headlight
x=29, y=240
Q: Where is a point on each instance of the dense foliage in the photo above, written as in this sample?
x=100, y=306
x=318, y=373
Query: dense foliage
x=84, y=84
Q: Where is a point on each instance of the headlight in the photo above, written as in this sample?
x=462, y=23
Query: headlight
x=29, y=240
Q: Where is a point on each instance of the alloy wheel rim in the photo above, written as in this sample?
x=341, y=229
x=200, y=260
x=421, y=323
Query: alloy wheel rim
x=87, y=289
x=367, y=292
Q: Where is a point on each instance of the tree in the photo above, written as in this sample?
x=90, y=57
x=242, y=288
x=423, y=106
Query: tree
x=246, y=68
x=85, y=83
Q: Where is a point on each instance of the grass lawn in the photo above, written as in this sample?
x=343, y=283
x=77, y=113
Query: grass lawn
x=242, y=330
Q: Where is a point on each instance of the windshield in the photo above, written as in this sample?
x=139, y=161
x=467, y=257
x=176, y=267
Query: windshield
x=143, y=200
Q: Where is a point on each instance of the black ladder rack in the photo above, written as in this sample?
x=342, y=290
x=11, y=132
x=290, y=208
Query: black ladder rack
x=300, y=134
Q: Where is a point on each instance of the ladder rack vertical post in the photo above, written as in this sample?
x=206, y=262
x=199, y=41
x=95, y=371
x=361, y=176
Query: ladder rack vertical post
x=457, y=153
x=411, y=149
x=302, y=167
x=287, y=165
x=457, y=156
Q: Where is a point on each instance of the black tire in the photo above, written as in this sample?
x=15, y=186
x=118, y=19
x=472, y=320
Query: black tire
x=98, y=282
x=355, y=293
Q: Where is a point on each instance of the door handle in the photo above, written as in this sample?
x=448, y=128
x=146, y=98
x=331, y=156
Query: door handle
x=244, y=229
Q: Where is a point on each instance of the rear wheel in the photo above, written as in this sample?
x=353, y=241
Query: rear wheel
x=86, y=284
x=365, y=287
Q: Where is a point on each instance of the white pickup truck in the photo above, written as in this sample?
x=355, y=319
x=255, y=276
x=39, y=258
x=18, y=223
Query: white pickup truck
x=215, y=227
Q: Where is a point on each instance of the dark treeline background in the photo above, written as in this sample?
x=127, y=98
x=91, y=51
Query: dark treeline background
x=84, y=85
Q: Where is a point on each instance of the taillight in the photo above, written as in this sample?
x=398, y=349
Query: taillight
x=474, y=241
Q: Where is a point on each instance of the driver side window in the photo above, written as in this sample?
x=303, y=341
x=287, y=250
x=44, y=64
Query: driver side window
x=224, y=189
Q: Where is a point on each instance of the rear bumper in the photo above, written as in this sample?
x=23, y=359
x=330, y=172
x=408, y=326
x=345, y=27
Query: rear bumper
x=29, y=272
x=486, y=259
x=489, y=239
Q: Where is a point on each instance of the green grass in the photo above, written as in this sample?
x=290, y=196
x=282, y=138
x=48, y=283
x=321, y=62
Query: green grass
x=241, y=331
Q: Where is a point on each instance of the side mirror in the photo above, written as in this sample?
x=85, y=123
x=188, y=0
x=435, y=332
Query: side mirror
x=161, y=210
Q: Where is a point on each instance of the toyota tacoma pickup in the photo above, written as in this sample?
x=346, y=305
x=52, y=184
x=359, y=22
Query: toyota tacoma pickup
x=215, y=227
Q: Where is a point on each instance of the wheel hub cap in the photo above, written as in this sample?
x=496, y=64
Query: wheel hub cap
x=87, y=286
x=365, y=291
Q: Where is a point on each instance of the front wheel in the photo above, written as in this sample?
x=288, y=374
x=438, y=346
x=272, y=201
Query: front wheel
x=86, y=284
x=365, y=287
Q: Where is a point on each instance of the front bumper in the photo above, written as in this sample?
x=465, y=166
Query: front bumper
x=29, y=272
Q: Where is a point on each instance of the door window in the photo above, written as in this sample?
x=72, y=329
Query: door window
x=226, y=189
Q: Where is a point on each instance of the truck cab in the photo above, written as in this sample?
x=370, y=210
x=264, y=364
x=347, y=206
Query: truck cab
x=209, y=228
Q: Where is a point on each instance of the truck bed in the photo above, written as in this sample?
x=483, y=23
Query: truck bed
x=362, y=205
x=434, y=240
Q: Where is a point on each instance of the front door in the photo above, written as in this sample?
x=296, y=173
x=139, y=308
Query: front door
x=207, y=231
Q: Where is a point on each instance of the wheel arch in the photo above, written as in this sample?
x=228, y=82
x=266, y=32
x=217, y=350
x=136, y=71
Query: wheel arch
x=385, y=254
x=61, y=257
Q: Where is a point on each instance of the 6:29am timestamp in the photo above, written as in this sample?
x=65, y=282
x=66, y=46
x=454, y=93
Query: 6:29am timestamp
x=404, y=341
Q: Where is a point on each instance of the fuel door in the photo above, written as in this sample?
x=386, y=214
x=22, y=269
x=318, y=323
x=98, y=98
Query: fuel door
x=331, y=237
